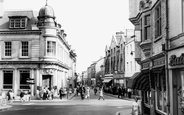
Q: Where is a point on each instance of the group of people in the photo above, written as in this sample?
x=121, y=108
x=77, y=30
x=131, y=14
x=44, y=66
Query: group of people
x=124, y=92
x=85, y=92
x=6, y=97
x=121, y=91
x=46, y=93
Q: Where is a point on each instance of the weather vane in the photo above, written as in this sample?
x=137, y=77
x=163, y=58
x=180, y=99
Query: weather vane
x=46, y=2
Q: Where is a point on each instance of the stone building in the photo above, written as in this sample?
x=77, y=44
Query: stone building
x=114, y=61
x=175, y=48
x=34, y=48
x=149, y=17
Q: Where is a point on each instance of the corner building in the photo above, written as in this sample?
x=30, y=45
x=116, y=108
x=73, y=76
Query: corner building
x=33, y=46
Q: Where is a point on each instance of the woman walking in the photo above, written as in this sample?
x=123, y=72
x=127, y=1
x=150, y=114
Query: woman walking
x=135, y=107
x=101, y=94
x=88, y=93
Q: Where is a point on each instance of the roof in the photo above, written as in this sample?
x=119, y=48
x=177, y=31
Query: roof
x=32, y=16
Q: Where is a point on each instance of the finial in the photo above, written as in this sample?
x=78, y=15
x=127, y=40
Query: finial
x=46, y=2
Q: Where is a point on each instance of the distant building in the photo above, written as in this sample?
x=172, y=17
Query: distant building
x=114, y=61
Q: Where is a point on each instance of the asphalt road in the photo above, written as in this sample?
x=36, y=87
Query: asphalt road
x=76, y=106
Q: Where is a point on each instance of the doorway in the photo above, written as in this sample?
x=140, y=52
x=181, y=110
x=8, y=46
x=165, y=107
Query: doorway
x=46, y=81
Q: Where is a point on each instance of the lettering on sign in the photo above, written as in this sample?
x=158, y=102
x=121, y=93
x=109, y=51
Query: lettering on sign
x=175, y=61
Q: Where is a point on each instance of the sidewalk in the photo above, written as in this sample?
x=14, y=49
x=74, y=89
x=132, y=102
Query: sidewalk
x=17, y=99
x=5, y=107
x=116, y=96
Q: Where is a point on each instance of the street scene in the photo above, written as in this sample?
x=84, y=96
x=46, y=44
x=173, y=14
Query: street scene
x=92, y=57
x=74, y=105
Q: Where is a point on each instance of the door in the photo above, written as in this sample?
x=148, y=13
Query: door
x=46, y=81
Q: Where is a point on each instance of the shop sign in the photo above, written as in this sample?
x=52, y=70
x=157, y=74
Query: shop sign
x=175, y=61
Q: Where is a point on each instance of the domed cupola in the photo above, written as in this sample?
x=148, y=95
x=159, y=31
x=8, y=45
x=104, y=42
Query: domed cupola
x=46, y=11
x=46, y=16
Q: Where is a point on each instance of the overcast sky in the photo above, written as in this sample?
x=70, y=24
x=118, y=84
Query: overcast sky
x=89, y=24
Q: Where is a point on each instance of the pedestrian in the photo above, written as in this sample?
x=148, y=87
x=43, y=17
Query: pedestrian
x=135, y=107
x=82, y=91
x=4, y=98
x=77, y=90
x=88, y=93
x=22, y=96
x=129, y=93
x=95, y=90
x=10, y=96
x=119, y=92
x=60, y=93
x=101, y=94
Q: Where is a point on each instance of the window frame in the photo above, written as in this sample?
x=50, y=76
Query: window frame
x=158, y=21
x=24, y=49
x=7, y=48
x=25, y=85
x=5, y=84
x=17, y=23
x=160, y=79
x=146, y=27
x=51, y=50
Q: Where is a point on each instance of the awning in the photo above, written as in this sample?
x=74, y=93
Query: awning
x=143, y=82
x=131, y=80
x=106, y=80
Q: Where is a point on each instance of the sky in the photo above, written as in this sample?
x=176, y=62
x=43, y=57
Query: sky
x=89, y=24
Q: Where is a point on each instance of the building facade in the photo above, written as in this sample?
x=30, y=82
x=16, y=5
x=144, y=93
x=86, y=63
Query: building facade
x=175, y=48
x=149, y=17
x=99, y=67
x=33, y=47
x=114, y=61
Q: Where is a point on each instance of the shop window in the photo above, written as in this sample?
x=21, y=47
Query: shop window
x=7, y=79
x=147, y=97
x=160, y=92
x=24, y=75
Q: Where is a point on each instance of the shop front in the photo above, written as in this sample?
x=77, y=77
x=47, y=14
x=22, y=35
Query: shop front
x=176, y=75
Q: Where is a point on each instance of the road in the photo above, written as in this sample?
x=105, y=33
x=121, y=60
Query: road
x=76, y=106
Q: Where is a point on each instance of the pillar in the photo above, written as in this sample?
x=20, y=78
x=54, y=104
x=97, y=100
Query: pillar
x=32, y=85
x=1, y=79
x=16, y=81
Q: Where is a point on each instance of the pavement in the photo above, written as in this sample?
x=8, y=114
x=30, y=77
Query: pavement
x=17, y=99
x=5, y=107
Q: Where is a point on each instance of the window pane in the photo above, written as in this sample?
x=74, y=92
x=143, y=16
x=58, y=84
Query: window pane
x=8, y=79
x=24, y=75
x=7, y=48
x=23, y=23
x=51, y=48
x=25, y=48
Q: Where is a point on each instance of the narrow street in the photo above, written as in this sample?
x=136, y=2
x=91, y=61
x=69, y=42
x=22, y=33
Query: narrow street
x=75, y=106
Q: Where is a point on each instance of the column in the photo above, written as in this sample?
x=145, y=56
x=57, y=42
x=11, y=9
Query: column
x=32, y=85
x=55, y=78
x=16, y=81
x=1, y=79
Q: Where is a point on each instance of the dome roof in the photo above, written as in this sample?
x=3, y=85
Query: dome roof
x=46, y=11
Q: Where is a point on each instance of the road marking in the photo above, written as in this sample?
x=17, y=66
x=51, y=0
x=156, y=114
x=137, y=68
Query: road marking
x=39, y=107
x=119, y=107
x=28, y=104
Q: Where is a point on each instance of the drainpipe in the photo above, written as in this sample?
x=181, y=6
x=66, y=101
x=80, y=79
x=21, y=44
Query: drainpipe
x=166, y=59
